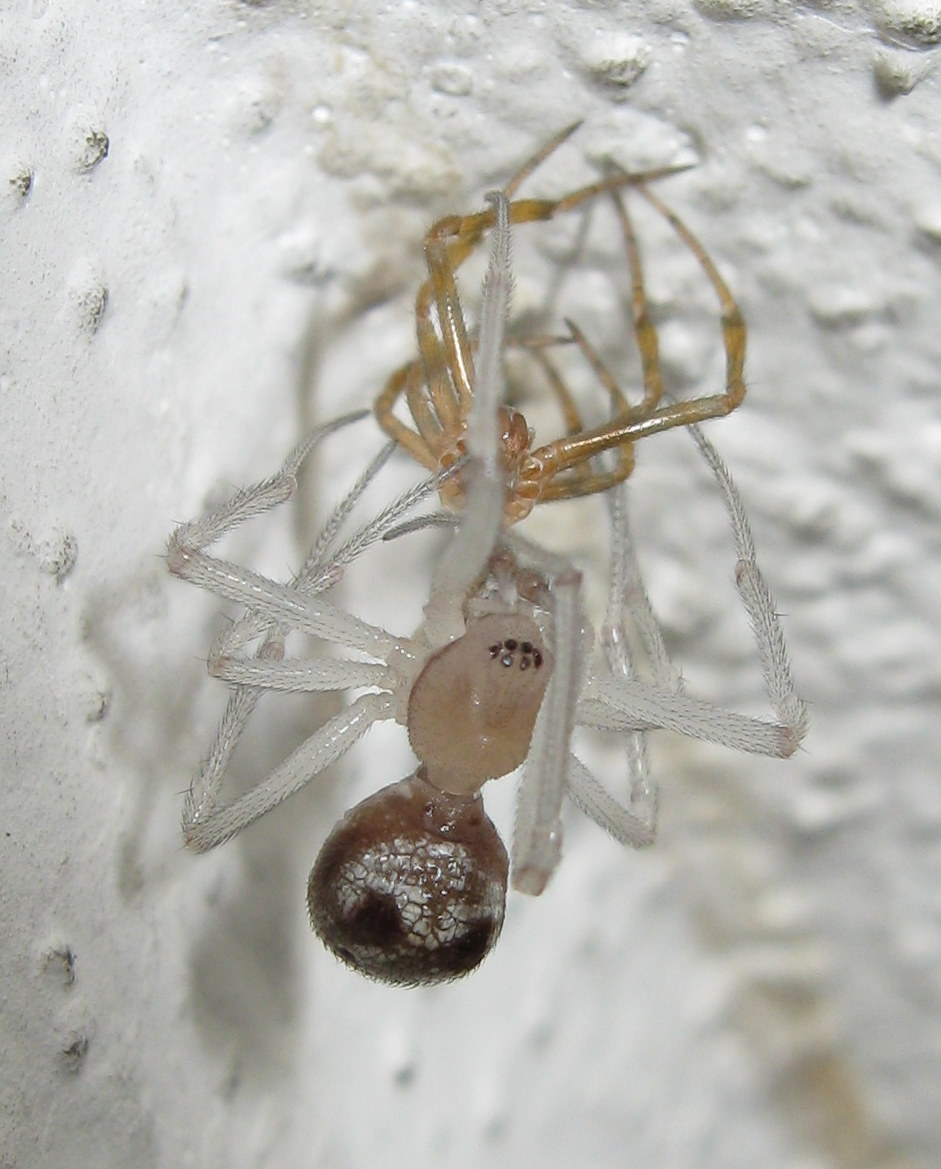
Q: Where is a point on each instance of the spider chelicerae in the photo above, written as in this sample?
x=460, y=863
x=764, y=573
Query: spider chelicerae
x=410, y=885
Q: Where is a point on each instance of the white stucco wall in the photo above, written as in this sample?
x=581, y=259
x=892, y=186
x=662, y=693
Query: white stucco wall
x=760, y=988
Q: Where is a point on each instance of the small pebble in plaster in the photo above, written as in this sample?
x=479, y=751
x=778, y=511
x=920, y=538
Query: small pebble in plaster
x=58, y=961
x=255, y=105
x=409, y=887
x=302, y=259
x=92, y=150
x=86, y=138
x=97, y=701
x=55, y=554
x=616, y=61
x=453, y=80
x=20, y=184
x=914, y=22
x=893, y=74
x=58, y=557
x=74, y=1052
x=89, y=297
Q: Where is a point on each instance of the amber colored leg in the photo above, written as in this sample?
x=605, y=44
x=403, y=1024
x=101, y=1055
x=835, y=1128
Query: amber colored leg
x=577, y=480
x=457, y=348
x=438, y=374
x=644, y=331
x=447, y=245
x=440, y=405
x=415, y=444
x=570, y=414
x=538, y=159
x=641, y=421
x=733, y=325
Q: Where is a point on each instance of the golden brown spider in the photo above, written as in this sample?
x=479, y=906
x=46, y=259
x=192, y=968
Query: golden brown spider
x=438, y=385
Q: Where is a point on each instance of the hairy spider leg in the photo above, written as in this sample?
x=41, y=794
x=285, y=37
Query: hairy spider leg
x=625, y=704
x=272, y=610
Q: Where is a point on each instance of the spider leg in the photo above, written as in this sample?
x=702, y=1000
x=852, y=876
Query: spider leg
x=256, y=499
x=274, y=608
x=206, y=824
x=420, y=444
x=322, y=568
x=538, y=159
x=652, y=421
x=580, y=480
x=537, y=835
x=645, y=333
x=624, y=704
x=481, y=523
x=272, y=611
x=788, y=707
x=550, y=462
x=638, y=706
x=447, y=361
x=447, y=245
x=279, y=603
x=627, y=599
x=296, y=676
x=637, y=829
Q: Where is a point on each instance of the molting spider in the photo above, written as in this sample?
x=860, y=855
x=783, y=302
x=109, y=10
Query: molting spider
x=410, y=886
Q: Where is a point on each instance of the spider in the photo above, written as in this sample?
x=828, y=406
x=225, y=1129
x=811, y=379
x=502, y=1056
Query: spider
x=409, y=887
x=438, y=385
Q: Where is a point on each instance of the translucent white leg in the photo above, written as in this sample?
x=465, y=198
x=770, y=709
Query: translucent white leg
x=618, y=705
x=205, y=824
x=296, y=676
x=624, y=705
x=324, y=566
x=759, y=604
x=537, y=836
x=637, y=823
x=256, y=499
x=599, y=805
x=273, y=610
x=465, y=562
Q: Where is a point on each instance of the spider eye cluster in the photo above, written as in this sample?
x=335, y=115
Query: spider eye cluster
x=506, y=652
x=410, y=886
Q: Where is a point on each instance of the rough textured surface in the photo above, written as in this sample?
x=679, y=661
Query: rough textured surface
x=209, y=216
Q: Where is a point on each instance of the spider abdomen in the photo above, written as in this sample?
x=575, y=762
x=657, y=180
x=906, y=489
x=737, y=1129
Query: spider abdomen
x=410, y=886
